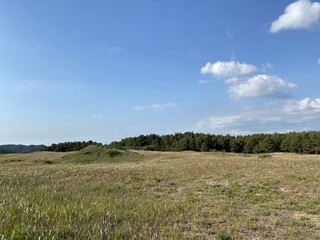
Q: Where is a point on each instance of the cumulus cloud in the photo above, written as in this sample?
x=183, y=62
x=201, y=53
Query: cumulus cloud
x=302, y=14
x=157, y=106
x=260, y=86
x=304, y=104
x=245, y=82
x=228, y=69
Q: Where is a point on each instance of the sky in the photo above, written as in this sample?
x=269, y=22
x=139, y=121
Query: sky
x=103, y=70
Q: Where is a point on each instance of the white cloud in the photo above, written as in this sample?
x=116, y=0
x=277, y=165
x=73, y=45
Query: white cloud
x=157, y=106
x=318, y=61
x=201, y=82
x=315, y=103
x=228, y=69
x=260, y=86
x=304, y=104
x=218, y=122
x=139, y=108
x=245, y=82
x=266, y=66
x=163, y=106
x=243, y=122
x=274, y=117
x=302, y=14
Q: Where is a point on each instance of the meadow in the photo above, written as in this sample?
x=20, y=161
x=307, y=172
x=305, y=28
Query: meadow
x=100, y=193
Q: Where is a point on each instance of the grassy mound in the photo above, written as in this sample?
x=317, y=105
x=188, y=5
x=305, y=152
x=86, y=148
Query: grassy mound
x=98, y=154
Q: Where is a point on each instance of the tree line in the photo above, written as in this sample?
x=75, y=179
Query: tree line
x=296, y=142
x=12, y=148
x=70, y=146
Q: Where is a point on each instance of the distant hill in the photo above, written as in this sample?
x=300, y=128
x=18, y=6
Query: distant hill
x=11, y=148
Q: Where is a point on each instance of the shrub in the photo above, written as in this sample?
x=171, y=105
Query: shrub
x=264, y=155
x=112, y=152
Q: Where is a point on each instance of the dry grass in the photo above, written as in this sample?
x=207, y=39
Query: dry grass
x=166, y=195
x=31, y=158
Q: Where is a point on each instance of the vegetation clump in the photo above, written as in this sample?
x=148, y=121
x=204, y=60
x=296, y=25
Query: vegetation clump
x=224, y=236
x=98, y=154
x=48, y=162
x=264, y=155
x=112, y=152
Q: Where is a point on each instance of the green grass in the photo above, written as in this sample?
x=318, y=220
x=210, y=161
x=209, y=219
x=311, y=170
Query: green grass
x=264, y=155
x=99, y=193
x=97, y=154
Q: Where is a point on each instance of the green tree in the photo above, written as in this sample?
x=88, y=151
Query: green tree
x=205, y=147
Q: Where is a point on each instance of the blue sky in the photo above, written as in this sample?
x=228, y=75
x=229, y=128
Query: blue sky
x=104, y=70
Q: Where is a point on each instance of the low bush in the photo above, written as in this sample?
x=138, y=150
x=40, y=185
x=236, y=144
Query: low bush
x=264, y=155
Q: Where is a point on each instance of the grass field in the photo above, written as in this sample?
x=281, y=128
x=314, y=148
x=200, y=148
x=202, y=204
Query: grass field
x=107, y=194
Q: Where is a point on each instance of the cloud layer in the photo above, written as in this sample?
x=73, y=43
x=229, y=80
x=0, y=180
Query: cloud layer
x=245, y=82
x=302, y=14
x=284, y=117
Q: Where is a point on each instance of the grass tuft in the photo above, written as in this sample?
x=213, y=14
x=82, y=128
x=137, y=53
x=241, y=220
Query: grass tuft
x=264, y=155
x=224, y=236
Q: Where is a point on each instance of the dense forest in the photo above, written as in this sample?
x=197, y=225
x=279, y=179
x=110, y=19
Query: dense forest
x=303, y=142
